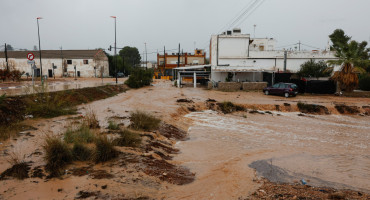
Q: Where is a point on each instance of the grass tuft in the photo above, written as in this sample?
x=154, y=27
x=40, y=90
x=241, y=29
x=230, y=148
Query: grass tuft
x=104, y=150
x=128, y=138
x=113, y=125
x=81, y=152
x=91, y=119
x=57, y=155
x=82, y=134
x=144, y=121
x=229, y=107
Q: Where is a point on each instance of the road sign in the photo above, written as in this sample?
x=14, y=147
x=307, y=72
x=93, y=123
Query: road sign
x=30, y=56
x=30, y=62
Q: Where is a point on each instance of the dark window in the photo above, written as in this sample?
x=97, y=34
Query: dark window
x=86, y=62
x=282, y=85
x=69, y=62
x=276, y=85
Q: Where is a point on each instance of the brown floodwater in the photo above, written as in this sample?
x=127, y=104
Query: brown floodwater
x=324, y=150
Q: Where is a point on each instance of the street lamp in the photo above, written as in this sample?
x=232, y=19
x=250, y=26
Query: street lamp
x=115, y=45
x=38, y=30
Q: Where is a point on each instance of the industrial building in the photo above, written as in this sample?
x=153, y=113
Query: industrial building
x=167, y=62
x=245, y=59
x=67, y=63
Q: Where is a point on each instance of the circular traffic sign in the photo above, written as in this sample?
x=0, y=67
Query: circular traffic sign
x=30, y=56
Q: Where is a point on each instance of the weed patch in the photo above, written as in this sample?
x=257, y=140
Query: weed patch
x=57, y=156
x=91, y=120
x=104, y=150
x=128, y=138
x=19, y=170
x=81, y=152
x=82, y=134
x=229, y=107
x=113, y=125
x=144, y=121
x=344, y=109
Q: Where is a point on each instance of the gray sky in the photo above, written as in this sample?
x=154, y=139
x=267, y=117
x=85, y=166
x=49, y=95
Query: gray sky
x=86, y=24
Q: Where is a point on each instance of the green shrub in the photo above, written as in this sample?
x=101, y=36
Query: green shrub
x=364, y=82
x=57, y=156
x=104, y=150
x=81, y=134
x=113, y=125
x=229, y=107
x=81, y=152
x=144, y=121
x=128, y=138
x=140, y=77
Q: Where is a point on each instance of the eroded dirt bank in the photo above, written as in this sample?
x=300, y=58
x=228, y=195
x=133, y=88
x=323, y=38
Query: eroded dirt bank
x=220, y=148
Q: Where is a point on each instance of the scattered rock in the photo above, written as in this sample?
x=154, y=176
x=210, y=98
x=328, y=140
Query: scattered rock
x=286, y=104
x=210, y=100
x=60, y=190
x=184, y=101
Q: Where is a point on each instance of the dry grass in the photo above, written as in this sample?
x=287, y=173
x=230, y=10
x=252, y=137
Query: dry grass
x=141, y=120
x=19, y=167
x=128, y=138
x=113, y=125
x=57, y=155
x=80, y=134
x=90, y=119
x=104, y=150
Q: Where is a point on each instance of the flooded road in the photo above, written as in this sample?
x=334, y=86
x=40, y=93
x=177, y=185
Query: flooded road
x=332, y=151
x=57, y=86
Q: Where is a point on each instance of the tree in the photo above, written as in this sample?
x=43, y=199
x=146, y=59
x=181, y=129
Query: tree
x=131, y=56
x=353, y=57
x=9, y=47
x=140, y=77
x=315, y=69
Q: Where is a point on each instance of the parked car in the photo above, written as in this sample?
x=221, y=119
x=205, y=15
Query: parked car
x=120, y=75
x=286, y=89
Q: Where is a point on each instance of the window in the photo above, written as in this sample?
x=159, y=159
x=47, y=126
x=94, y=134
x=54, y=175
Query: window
x=86, y=62
x=276, y=85
x=69, y=62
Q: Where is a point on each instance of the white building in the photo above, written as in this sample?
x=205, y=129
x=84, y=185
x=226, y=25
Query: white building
x=88, y=63
x=247, y=59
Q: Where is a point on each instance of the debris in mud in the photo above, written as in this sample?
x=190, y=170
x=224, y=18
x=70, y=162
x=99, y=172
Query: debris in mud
x=270, y=190
x=192, y=108
x=312, y=108
x=344, y=109
x=168, y=172
x=169, y=131
x=257, y=112
x=277, y=108
x=19, y=171
x=210, y=100
x=84, y=194
x=286, y=104
x=95, y=174
x=184, y=101
x=37, y=172
x=366, y=109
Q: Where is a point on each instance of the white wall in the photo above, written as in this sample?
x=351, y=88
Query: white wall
x=86, y=70
x=239, y=76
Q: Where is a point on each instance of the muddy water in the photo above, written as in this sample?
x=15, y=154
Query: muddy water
x=325, y=150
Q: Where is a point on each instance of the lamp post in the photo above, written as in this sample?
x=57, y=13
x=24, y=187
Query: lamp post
x=38, y=31
x=115, y=46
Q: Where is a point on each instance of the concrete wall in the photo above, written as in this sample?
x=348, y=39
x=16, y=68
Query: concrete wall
x=254, y=85
x=86, y=70
x=229, y=86
x=238, y=77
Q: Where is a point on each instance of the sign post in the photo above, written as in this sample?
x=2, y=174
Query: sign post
x=30, y=57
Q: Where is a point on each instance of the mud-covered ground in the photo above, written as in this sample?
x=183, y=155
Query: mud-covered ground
x=215, y=156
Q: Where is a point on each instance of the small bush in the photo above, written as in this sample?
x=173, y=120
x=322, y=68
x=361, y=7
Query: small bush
x=104, y=150
x=228, y=107
x=144, y=121
x=128, y=138
x=82, y=134
x=364, y=82
x=19, y=167
x=140, y=77
x=81, y=152
x=91, y=120
x=57, y=156
x=113, y=125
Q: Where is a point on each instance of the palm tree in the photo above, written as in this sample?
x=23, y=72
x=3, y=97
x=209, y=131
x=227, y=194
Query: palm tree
x=353, y=58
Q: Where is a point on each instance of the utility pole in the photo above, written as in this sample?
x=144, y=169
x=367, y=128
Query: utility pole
x=164, y=61
x=146, y=58
x=6, y=58
x=61, y=55
x=299, y=45
x=178, y=57
x=285, y=58
x=254, y=31
x=115, y=45
x=38, y=31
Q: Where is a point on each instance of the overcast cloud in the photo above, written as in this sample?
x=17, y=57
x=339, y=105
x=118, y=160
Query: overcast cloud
x=86, y=24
